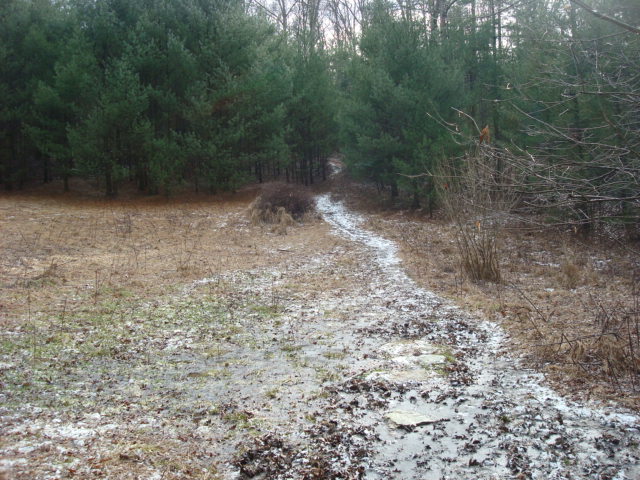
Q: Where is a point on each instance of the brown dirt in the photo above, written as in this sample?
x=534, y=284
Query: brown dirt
x=71, y=254
x=69, y=262
x=559, y=294
x=567, y=304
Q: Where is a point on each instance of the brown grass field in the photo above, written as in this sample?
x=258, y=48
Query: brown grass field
x=86, y=285
x=570, y=308
x=61, y=251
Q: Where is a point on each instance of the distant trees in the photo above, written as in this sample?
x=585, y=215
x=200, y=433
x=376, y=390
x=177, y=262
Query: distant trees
x=30, y=41
x=214, y=93
x=575, y=94
x=557, y=85
x=415, y=66
x=160, y=93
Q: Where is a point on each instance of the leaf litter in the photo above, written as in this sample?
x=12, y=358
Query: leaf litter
x=294, y=372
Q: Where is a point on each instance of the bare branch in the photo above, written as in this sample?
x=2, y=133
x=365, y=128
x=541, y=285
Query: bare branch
x=607, y=18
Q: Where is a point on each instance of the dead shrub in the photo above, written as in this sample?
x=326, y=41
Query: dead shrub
x=602, y=341
x=123, y=224
x=477, y=198
x=48, y=277
x=479, y=254
x=281, y=205
x=617, y=346
x=570, y=275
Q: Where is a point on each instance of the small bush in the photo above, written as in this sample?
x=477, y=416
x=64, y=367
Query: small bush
x=281, y=205
x=478, y=201
x=295, y=200
x=570, y=275
x=479, y=254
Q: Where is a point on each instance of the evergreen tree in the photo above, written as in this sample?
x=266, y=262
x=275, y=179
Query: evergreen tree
x=401, y=77
x=31, y=34
x=61, y=104
x=114, y=132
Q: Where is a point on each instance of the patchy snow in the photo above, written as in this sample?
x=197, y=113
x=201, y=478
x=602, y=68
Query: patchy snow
x=547, y=264
x=500, y=421
x=348, y=224
x=7, y=464
x=72, y=432
x=283, y=369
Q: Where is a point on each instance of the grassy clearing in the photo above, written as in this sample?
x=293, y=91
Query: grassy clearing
x=129, y=328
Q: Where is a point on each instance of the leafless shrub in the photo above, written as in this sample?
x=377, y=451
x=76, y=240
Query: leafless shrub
x=570, y=274
x=281, y=205
x=585, y=170
x=279, y=220
x=477, y=199
x=123, y=224
x=617, y=347
x=609, y=347
x=479, y=254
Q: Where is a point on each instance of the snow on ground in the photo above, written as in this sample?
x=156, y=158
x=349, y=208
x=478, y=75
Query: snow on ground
x=495, y=419
x=334, y=365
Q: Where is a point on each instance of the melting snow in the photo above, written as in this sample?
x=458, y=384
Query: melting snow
x=503, y=420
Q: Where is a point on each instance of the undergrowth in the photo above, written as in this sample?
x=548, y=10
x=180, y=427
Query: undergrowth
x=479, y=207
x=281, y=205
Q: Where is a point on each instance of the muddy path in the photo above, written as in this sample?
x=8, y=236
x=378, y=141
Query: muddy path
x=331, y=363
x=483, y=416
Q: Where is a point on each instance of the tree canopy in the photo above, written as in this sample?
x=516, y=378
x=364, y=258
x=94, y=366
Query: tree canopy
x=211, y=94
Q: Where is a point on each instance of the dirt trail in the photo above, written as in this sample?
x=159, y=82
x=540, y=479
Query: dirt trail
x=327, y=363
x=484, y=417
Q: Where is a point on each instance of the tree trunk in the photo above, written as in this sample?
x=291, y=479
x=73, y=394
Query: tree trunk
x=258, y=167
x=109, y=184
x=46, y=177
x=416, y=200
x=495, y=42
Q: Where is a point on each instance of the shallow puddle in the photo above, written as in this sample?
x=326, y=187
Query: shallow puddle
x=335, y=365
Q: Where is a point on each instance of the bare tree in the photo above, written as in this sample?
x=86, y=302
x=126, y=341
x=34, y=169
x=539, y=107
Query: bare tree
x=345, y=17
x=279, y=11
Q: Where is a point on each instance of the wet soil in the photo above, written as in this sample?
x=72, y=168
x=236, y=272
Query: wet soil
x=330, y=363
x=490, y=418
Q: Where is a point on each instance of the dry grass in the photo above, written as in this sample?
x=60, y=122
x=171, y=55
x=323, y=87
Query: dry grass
x=91, y=287
x=62, y=251
x=280, y=206
x=570, y=309
x=578, y=321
